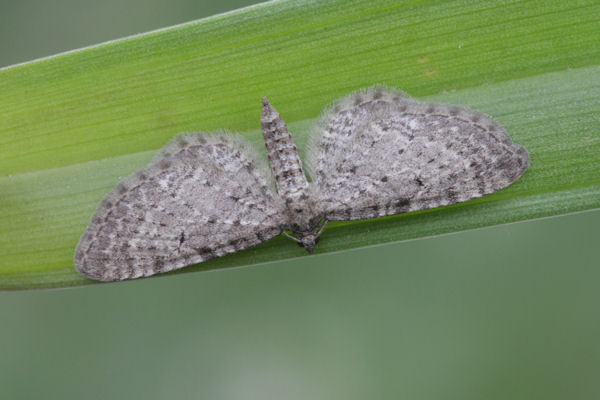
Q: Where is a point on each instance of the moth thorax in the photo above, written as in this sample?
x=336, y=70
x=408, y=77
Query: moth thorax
x=301, y=210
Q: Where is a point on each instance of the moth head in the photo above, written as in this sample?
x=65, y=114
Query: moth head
x=309, y=242
x=309, y=238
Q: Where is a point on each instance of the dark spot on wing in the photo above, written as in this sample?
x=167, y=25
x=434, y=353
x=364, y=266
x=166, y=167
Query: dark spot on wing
x=164, y=164
x=204, y=252
x=452, y=196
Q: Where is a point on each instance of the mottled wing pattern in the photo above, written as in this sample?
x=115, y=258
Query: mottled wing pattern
x=379, y=152
x=204, y=196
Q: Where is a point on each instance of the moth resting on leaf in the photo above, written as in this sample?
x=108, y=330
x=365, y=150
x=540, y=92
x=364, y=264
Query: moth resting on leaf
x=373, y=153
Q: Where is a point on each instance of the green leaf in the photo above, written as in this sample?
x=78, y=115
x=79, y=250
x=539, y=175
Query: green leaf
x=73, y=125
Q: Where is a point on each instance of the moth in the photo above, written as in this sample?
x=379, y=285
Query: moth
x=374, y=153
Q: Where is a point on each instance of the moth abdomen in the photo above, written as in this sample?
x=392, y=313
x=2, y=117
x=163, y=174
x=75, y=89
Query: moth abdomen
x=282, y=152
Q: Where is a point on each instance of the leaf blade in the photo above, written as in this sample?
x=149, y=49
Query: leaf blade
x=115, y=103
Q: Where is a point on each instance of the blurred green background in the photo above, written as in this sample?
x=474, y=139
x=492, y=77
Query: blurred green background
x=504, y=312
